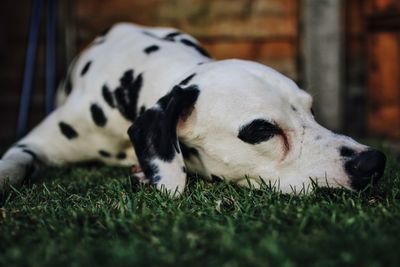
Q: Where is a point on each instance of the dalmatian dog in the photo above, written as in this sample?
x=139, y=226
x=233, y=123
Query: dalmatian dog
x=153, y=97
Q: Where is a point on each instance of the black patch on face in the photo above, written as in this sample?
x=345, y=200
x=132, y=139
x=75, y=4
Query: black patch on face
x=173, y=105
x=187, y=80
x=121, y=155
x=86, y=68
x=142, y=110
x=199, y=49
x=152, y=171
x=151, y=49
x=346, y=152
x=107, y=95
x=127, y=94
x=257, y=131
x=30, y=152
x=104, y=153
x=68, y=86
x=154, y=133
x=98, y=115
x=67, y=130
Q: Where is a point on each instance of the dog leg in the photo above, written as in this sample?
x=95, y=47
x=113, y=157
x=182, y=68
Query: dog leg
x=138, y=176
x=66, y=136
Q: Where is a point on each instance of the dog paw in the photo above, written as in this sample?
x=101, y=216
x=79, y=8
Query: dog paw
x=11, y=173
x=137, y=176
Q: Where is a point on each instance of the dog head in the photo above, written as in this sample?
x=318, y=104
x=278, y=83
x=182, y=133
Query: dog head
x=246, y=122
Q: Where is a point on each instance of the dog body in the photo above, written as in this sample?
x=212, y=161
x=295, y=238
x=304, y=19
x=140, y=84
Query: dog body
x=184, y=111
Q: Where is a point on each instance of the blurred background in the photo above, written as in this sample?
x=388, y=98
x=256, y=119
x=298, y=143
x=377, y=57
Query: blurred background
x=345, y=53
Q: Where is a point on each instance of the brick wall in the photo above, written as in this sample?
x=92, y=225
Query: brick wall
x=383, y=39
x=261, y=30
x=373, y=66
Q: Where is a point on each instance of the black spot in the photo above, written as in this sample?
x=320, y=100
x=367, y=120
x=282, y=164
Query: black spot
x=21, y=145
x=171, y=36
x=142, y=110
x=187, y=79
x=151, y=35
x=154, y=133
x=104, y=153
x=98, y=115
x=152, y=171
x=108, y=97
x=318, y=138
x=99, y=40
x=184, y=169
x=257, y=131
x=346, y=152
x=200, y=63
x=293, y=108
x=68, y=85
x=126, y=95
x=312, y=111
x=121, y=155
x=30, y=152
x=86, y=68
x=67, y=130
x=151, y=49
x=199, y=49
x=105, y=31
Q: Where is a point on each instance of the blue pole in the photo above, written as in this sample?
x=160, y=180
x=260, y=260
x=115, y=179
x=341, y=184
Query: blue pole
x=50, y=54
x=29, y=68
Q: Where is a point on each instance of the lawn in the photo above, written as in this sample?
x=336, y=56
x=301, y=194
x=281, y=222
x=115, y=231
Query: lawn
x=93, y=216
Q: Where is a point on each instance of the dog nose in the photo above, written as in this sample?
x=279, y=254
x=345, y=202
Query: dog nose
x=365, y=168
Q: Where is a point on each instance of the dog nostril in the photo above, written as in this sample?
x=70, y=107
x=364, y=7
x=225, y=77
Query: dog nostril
x=346, y=152
x=365, y=168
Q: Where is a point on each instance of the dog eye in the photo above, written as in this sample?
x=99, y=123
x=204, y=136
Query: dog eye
x=258, y=131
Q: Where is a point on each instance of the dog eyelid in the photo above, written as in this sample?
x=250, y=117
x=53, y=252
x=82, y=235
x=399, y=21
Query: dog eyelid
x=258, y=131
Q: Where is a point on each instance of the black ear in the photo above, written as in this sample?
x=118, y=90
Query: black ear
x=155, y=140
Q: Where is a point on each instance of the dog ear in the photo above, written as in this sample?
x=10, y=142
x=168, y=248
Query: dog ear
x=154, y=137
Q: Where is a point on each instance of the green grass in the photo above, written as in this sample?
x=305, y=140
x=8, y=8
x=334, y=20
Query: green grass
x=93, y=217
